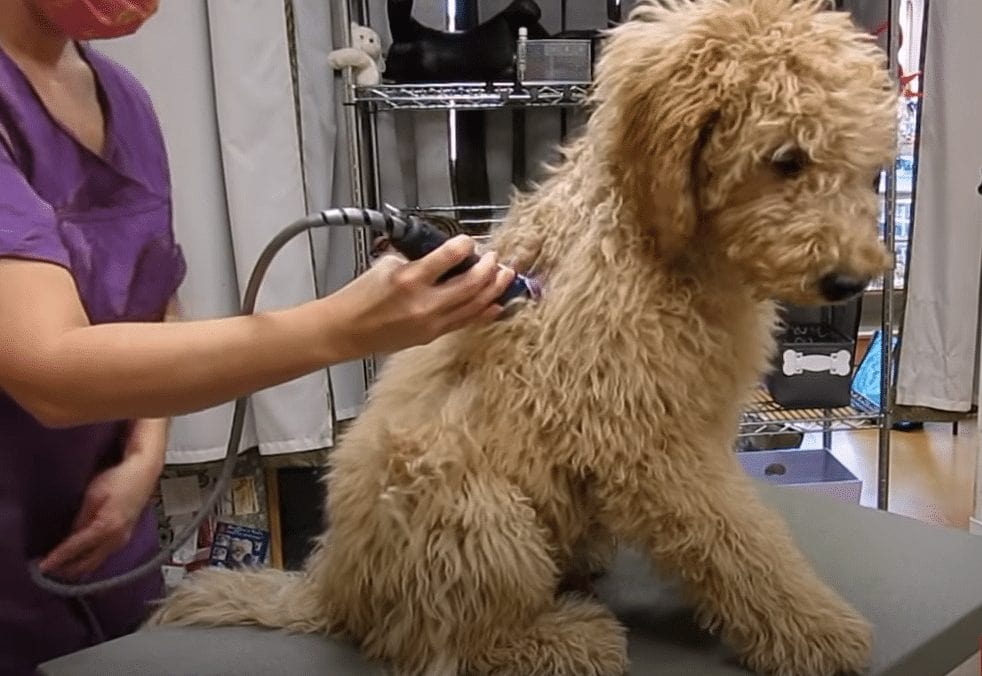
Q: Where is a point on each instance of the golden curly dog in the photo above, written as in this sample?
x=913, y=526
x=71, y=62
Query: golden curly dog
x=729, y=162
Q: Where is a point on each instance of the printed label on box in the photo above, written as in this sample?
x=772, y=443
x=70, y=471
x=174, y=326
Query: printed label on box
x=238, y=546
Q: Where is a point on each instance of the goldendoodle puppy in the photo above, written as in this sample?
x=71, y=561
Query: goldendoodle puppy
x=728, y=163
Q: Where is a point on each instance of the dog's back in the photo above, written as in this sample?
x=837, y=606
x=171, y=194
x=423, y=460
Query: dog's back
x=462, y=494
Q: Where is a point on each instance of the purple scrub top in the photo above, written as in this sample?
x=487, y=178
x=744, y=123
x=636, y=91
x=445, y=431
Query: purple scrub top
x=107, y=220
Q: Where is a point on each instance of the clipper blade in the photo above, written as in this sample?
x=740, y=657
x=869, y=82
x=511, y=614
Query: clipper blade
x=534, y=287
x=533, y=292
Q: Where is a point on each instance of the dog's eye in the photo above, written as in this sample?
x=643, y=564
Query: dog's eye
x=789, y=161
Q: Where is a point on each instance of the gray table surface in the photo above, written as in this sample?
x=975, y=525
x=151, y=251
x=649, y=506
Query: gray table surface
x=920, y=585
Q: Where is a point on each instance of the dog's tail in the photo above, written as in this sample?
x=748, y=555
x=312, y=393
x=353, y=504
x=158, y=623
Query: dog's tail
x=267, y=597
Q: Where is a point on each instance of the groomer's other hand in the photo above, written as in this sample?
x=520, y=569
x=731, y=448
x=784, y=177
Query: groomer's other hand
x=113, y=503
x=398, y=304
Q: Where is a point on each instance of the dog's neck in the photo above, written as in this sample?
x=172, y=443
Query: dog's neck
x=601, y=268
x=580, y=216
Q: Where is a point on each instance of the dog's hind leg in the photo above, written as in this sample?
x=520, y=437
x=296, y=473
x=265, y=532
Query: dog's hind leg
x=702, y=520
x=452, y=572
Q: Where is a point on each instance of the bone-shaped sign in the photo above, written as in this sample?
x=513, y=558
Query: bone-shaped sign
x=836, y=363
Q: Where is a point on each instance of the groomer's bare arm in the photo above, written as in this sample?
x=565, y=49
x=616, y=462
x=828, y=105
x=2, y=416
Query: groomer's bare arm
x=148, y=436
x=66, y=372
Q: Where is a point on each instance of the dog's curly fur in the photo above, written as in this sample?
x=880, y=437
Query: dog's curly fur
x=728, y=163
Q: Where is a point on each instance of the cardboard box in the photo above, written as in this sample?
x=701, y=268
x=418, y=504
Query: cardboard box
x=814, y=470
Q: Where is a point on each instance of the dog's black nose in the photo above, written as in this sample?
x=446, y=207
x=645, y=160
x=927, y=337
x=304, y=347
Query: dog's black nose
x=837, y=287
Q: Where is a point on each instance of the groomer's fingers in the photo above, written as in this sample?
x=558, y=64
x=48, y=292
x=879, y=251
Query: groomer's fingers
x=88, y=512
x=488, y=316
x=388, y=260
x=469, y=286
x=77, y=546
x=483, y=306
x=90, y=562
x=85, y=560
x=428, y=269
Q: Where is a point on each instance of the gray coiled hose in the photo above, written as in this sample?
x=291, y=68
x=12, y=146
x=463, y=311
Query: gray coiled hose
x=392, y=226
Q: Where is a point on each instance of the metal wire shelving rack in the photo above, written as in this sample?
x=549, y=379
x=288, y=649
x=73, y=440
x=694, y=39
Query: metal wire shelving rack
x=763, y=417
x=471, y=96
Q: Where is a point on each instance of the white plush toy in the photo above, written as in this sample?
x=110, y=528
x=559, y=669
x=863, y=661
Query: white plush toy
x=364, y=55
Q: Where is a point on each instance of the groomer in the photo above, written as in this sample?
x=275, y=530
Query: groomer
x=90, y=369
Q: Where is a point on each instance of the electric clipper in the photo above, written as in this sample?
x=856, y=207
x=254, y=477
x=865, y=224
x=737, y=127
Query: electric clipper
x=420, y=235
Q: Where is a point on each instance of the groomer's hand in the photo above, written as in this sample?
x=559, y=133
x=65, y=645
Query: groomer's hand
x=113, y=503
x=398, y=304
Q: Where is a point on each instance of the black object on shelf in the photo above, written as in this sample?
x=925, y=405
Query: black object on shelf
x=483, y=53
x=469, y=171
x=613, y=12
x=813, y=365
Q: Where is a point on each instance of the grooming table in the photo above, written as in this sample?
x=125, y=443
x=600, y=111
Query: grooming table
x=920, y=585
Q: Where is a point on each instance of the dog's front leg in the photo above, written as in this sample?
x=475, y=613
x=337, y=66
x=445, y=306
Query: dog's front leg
x=700, y=519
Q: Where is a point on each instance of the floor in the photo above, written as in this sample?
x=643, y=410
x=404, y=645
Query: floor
x=932, y=475
x=932, y=471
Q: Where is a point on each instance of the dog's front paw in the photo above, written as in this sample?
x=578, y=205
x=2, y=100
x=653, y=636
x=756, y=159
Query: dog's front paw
x=830, y=641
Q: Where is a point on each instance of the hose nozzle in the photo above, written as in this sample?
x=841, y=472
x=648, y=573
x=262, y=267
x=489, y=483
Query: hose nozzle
x=414, y=236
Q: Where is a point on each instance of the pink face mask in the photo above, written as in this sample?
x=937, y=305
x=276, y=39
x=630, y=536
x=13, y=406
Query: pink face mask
x=97, y=19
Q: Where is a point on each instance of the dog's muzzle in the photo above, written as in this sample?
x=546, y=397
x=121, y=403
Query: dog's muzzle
x=836, y=287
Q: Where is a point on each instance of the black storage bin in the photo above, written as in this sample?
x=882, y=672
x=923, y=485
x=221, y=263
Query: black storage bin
x=813, y=365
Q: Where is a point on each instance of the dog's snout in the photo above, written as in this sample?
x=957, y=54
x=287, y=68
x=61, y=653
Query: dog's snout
x=836, y=287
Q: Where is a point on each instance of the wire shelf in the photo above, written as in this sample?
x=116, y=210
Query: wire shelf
x=765, y=417
x=472, y=96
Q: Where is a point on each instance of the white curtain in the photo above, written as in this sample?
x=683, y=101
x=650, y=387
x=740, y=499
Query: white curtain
x=326, y=167
x=220, y=77
x=938, y=356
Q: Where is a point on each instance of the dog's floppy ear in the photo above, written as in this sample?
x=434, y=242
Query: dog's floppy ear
x=659, y=90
